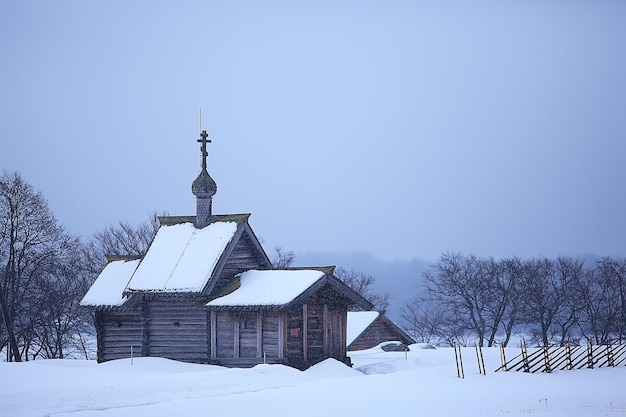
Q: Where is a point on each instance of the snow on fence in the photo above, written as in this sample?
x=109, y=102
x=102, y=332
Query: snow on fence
x=550, y=358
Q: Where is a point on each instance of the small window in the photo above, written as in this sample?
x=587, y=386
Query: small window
x=176, y=323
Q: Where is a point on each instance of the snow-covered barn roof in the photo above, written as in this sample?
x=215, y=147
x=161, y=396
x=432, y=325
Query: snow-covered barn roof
x=182, y=257
x=269, y=287
x=108, y=288
x=361, y=322
x=358, y=322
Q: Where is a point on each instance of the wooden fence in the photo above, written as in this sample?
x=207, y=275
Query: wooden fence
x=550, y=358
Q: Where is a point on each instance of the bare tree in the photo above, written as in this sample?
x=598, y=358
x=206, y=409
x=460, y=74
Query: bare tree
x=44, y=274
x=60, y=322
x=461, y=284
x=29, y=239
x=496, y=296
x=554, y=299
x=429, y=321
x=570, y=272
x=616, y=272
x=601, y=292
x=362, y=284
x=126, y=239
x=547, y=297
x=600, y=308
x=282, y=259
x=512, y=270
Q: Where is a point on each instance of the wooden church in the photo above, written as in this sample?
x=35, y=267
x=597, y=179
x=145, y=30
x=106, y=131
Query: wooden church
x=206, y=292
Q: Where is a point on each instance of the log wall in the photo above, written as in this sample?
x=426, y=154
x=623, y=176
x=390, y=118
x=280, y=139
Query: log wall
x=250, y=337
x=116, y=333
x=315, y=339
x=163, y=325
x=273, y=326
x=243, y=257
x=177, y=328
x=295, y=339
x=316, y=331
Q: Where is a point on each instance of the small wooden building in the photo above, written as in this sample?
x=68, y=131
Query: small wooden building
x=367, y=329
x=206, y=292
x=292, y=316
x=156, y=304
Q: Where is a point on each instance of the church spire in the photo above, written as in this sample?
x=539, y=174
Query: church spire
x=203, y=187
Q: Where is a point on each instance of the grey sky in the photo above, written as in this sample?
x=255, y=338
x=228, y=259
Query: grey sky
x=401, y=128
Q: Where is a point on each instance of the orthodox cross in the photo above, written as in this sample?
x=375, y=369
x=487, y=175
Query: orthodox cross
x=204, y=140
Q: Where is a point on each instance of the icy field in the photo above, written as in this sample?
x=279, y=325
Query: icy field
x=380, y=384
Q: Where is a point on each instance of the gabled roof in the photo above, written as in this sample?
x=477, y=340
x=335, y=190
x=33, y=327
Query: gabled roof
x=360, y=321
x=282, y=288
x=268, y=287
x=108, y=288
x=244, y=229
x=182, y=258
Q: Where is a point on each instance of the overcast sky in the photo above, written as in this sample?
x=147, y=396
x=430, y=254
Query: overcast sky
x=400, y=128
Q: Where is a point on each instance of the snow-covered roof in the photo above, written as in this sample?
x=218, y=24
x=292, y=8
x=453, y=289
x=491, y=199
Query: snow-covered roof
x=358, y=321
x=269, y=287
x=108, y=287
x=182, y=257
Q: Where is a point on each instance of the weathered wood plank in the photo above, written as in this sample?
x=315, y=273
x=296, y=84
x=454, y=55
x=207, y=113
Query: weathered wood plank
x=270, y=336
x=304, y=331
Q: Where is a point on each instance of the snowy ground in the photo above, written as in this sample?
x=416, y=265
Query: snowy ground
x=381, y=384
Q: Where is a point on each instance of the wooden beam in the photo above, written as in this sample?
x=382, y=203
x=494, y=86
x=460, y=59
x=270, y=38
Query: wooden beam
x=145, y=327
x=236, y=319
x=213, y=330
x=325, y=329
x=304, y=332
x=282, y=334
x=259, y=334
x=343, y=333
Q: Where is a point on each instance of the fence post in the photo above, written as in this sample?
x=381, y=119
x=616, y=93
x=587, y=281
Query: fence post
x=546, y=359
x=480, y=359
x=570, y=365
x=459, y=361
x=524, y=355
x=503, y=358
x=589, y=355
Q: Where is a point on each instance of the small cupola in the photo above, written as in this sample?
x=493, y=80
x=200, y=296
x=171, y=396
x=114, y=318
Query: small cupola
x=203, y=187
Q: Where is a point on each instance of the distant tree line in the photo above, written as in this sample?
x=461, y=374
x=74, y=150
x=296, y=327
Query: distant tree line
x=467, y=299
